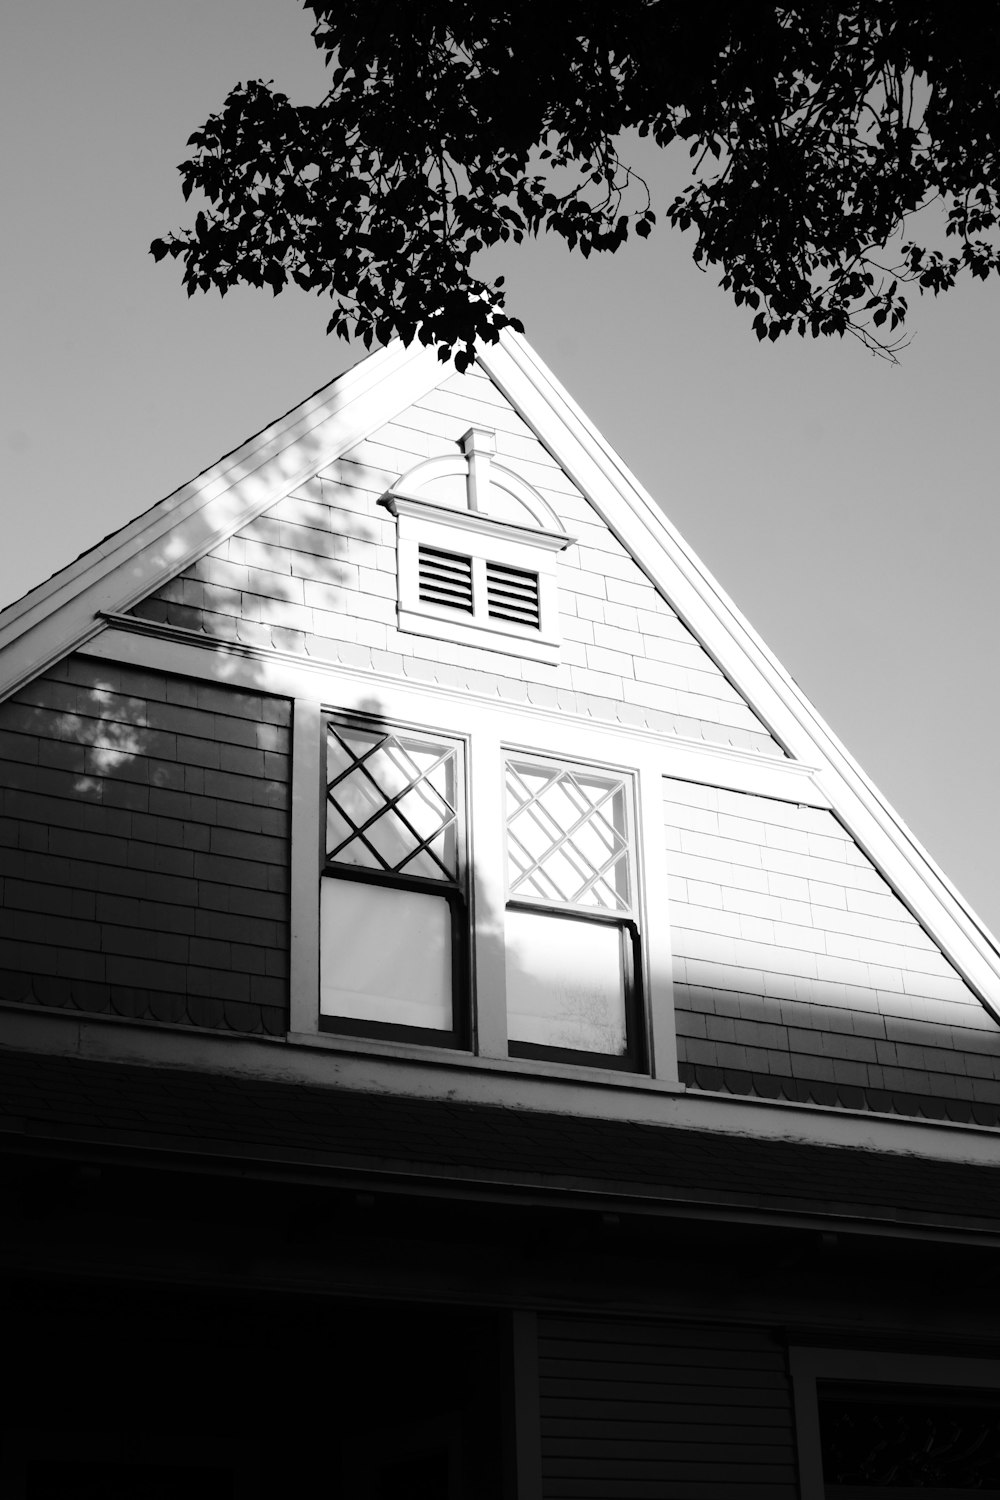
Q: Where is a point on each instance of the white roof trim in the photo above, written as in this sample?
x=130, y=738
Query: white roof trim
x=62, y=613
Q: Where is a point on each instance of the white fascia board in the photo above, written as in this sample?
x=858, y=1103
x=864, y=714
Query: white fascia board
x=634, y=517
x=63, y=612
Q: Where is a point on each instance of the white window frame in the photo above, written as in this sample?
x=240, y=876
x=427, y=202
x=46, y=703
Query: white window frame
x=633, y=1060
x=453, y=891
x=486, y=729
x=809, y=1366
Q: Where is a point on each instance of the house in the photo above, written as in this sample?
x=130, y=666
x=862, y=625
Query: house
x=468, y=1027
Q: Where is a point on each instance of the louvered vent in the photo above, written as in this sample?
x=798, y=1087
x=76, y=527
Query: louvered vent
x=445, y=578
x=512, y=594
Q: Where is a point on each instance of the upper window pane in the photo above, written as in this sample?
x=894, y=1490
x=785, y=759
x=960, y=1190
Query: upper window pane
x=567, y=837
x=391, y=803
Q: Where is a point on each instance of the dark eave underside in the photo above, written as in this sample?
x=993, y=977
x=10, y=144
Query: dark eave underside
x=246, y=1126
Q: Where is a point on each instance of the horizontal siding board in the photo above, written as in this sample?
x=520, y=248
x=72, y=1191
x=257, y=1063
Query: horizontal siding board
x=597, y=1489
x=597, y=1429
x=679, y=1390
x=598, y=1333
x=634, y=1409
x=145, y=874
x=575, y=1358
x=687, y=1341
x=634, y=1469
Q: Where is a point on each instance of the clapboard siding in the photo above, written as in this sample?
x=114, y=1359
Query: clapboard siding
x=799, y=972
x=630, y=1410
x=144, y=848
x=316, y=575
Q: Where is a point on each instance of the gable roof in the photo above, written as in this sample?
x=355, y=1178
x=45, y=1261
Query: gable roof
x=71, y=607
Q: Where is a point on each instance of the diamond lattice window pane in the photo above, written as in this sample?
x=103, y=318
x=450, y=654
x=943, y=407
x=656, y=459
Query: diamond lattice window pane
x=567, y=837
x=392, y=840
x=391, y=803
x=357, y=852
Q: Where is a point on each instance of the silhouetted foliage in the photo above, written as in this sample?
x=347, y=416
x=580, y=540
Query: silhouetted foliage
x=814, y=131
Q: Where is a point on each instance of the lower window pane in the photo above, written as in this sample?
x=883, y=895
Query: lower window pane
x=386, y=955
x=565, y=983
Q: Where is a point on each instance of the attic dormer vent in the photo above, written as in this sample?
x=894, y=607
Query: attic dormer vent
x=445, y=578
x=477, y=553
x=512, y=594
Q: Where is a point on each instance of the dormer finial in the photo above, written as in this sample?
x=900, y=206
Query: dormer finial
x=479, y=444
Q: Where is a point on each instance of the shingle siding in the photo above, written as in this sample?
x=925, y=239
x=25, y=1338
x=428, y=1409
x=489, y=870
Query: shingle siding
x=316, y=575
x=144, y=852
x=799, y=972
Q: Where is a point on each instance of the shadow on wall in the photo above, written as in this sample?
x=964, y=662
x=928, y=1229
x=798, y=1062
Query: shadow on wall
x=145, y=846
x=144, y=836
x=145, y=843
x=289, y=580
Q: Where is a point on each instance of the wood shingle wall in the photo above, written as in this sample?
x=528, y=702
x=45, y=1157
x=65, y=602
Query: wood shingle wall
x=316, y=574
x=799, y=972
x=144, y=848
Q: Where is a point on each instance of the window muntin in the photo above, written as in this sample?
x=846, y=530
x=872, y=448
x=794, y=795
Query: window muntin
x=393, y=913
x=567, y=837
x=571, y=936
x=391, y=802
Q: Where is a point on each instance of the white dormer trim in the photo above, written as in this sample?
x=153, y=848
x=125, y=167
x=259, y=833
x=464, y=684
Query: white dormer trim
x=484, y=479
x=487, y=554
x=475, y=522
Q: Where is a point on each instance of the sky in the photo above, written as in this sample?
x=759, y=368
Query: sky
x=847, y=506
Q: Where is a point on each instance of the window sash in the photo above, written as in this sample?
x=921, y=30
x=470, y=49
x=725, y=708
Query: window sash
x=390, y=805
x=442, y=883
x=534, y=811
x=591, y=792
x=631, y=1058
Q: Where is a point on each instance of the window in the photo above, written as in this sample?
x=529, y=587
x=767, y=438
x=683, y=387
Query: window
x=392, y=899
x=878, y=1438
x=463, y=895
x=571, y=934
x=875, y=1424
